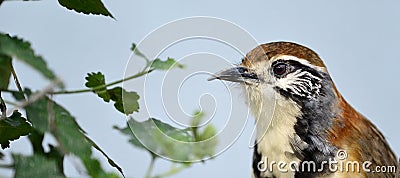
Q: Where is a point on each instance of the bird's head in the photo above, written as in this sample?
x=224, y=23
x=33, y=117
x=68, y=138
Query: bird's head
x=292, y=97
x=309, y=119
x=289, y=70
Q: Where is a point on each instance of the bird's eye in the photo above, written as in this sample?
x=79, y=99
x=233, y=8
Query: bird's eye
x=280, y=69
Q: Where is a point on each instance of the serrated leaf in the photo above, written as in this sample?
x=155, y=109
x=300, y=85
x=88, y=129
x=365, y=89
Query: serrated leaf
x=13, y=127
x=110, y=161
x=147, y=127
x=5, y=71
x=97, y=82
x=125, y=102
x=162, y=139
x=21, y=50
x=70, y=137
x=152, y=134
x=95, y=7
x=165, y=65
x=66, y=128
x=178, y=134
x=95, y=169
x=35, y=166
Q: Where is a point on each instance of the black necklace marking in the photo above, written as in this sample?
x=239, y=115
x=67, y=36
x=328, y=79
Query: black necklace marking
x=256, y=159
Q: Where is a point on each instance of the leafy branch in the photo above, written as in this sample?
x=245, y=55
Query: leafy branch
x=44, y=116
x=137, y=75
x=162, y=140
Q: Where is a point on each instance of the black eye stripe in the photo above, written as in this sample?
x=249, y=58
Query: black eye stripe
x=294, y=66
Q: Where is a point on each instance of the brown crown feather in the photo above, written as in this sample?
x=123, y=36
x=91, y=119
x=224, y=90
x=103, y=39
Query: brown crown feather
x=269, y=50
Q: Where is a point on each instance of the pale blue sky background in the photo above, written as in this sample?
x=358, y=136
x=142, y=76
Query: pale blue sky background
x=358, y=41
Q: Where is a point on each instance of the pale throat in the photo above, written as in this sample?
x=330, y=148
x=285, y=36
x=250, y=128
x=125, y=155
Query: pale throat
x=275, y=120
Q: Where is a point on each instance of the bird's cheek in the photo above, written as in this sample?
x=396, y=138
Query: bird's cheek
x=267, y=79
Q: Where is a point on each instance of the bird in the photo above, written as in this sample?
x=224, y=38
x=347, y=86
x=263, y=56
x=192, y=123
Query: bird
x=311, y=131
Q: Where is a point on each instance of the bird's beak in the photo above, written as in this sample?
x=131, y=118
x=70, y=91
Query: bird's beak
x=236, y=74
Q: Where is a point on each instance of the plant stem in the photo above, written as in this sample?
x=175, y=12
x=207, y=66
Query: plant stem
x=151, y=166
x=144, y=72
x=195, y=134
x=16, y=80
x=10, y=103
x=172, y=171
x=141, y=73
x=7, y=166
x=3, y=108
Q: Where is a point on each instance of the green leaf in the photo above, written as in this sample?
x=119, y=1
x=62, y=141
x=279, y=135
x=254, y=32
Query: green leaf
x=72, y=139
x=125, y=102
x=36, y=139
x=95, y=7
x=35, y=166
x=206, y=146
x=37, y=115
x=13, y=127
x=55, y=154
x=97, y=82
x=165, y=65
x=152, y=134
x=208, y=133
x=110, y=161
x=19, y=96
x=5, y=71
x=163, y=139
x=206, y=143
x=48, y=116
x=197, y=117
x=178, y=134
x=20, y=49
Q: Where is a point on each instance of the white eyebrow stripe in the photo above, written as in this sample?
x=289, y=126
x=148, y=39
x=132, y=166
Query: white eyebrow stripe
x=300, y=60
